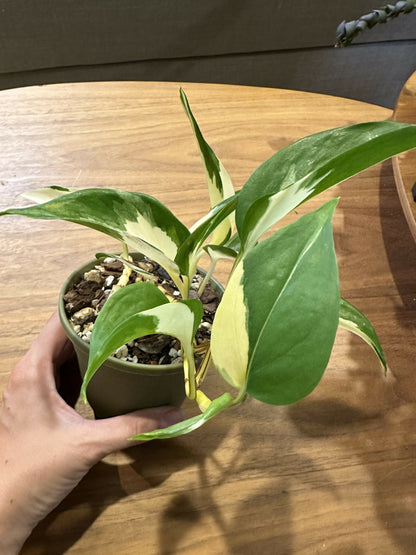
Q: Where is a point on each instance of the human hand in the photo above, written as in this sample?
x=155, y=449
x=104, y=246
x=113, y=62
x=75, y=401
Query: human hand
x=46, y=447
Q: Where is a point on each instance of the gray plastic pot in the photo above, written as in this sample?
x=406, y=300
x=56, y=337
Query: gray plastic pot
x=119, y=387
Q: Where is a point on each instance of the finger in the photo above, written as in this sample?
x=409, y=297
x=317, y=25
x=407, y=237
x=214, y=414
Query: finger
x=48, y=351
x=113, y=433
x=52, y=344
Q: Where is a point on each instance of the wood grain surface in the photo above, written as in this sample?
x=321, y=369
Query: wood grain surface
x=404, y=165
x=333, y=474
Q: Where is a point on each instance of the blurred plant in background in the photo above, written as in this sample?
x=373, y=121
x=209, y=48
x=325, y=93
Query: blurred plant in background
x=348, y=30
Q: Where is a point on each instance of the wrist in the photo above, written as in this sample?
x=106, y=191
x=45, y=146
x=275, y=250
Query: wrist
x=12, y=534
x=14, y=529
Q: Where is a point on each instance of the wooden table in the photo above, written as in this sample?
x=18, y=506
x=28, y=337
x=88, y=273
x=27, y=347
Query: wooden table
x=335, y=473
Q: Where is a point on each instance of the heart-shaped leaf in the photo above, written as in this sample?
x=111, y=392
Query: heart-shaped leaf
x=276, y=324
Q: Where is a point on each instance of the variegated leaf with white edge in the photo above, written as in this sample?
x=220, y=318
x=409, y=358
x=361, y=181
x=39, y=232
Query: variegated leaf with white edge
x=191, y=249
x=186, y=426
x=291, y=289
x=216, y=252
x=44, y=194
x=139, y=220
x=276, y=324
x=229, y=337
x=219, y=182
x=351, y=319
x=311, y=165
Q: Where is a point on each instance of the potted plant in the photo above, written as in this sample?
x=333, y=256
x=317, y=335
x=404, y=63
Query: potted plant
x=275, y=326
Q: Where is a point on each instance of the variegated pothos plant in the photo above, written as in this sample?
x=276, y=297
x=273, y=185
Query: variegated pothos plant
x=272, y=336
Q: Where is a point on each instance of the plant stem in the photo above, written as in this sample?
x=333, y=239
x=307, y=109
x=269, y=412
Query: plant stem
x=207, y=277
x=189, y=374
x=125, y=276
x=202, y=370
x=202, y=400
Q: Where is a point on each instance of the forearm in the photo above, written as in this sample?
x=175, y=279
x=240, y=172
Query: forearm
x=14, y=528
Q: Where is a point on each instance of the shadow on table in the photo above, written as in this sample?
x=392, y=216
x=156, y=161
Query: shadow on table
x=400, y=247
x=242, y=502
x=400, y=515
x=262, y=520
x=376, y=418
x=257, y=516
x=102, y=487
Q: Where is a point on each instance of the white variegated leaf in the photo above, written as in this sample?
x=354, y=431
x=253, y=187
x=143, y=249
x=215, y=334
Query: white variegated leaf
x=187, y=426
x=229, y=338
x=275, y=327
x=44, y=194
x=351, y=319
x=191, y=249
x=311, y=165
x=219, y=182
x=138, y=220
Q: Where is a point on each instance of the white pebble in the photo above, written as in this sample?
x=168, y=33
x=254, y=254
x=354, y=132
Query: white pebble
x=173, y=353
x=93, y=275
x=122, y=352
x=88, y=327
x=83, y=315
x=109, y=259
x=87, y=337
x=109, y=281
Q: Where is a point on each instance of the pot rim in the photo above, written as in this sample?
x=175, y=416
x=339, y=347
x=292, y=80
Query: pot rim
x=122, y=365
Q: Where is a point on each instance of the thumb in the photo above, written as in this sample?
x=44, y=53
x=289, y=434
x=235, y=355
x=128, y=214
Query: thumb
x=113, y=433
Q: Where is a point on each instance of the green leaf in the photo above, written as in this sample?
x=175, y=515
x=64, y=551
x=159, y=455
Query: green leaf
x=136, y=310
x=351, y=319
x=282, y=305
x=139, y=220
x=312, y=165
x=186, y=426
x=220, y=186
x=234, y=243
x=216, y=252
x=190, y=250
